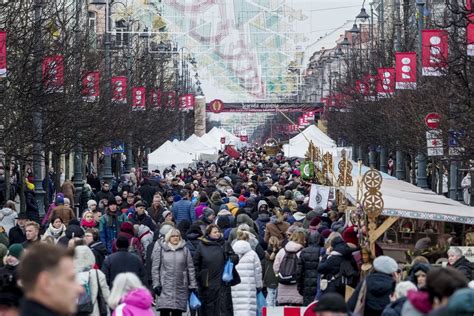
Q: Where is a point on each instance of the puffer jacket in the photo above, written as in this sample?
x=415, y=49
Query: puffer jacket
x=244, y=295
x=287, y=294
x=136, y=302
x=173, y=270
x=7, y=218
x=307, y=273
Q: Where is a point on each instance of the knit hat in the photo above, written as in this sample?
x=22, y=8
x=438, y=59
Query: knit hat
x=140, y=204
x=59, y=199
x=90, y=203
x=318, y=210
x=15, y=250
x=350, y=235
x=315, y=222
x=233, y=199
x=127, y=227
x=325, y=233
x=207, y=212
x=461, y=302
x=385, y=264
x=166, y=213
x=309, y=217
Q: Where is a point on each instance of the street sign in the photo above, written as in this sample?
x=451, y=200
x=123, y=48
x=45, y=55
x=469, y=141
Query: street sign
x=435, y=151
x=435, y=142
x=432, y=120
x=433, y=134
x=108, y=151
x=118, y=148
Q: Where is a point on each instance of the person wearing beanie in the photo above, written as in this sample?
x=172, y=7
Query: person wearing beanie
x=192, y=237
x=380, y=286
x=88, y=221
x=263, y=218
x=208, y=216
x=215, y=201
x=63, y=211
x=309, y=217
x=140, y=217
x=314, y=224
x=167, y=217
x=91, y=205
x=109, y=224
x=122, y=261
x=127, y=230
x=350, y=236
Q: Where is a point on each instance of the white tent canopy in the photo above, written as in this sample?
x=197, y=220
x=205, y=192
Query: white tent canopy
x=167, y=155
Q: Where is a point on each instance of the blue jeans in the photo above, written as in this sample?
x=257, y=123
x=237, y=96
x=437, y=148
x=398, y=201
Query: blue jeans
x=271, y=297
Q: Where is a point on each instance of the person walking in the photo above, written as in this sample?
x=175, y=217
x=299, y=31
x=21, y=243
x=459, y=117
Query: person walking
x=184, y=208
x=8, y=216
x=307, y=272
x=63, y=211
x=109, y=225
x=209, y=260
x=56, y=229
x=129, y=297
x=173, y=274
x=17, y=234
x=270, y=280
x=84, y=261
x=244, y=294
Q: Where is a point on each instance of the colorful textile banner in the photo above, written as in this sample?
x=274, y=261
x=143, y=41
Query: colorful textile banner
x=119, y=90
x=470, y=35
x=53, y=74
x=405, y=70
x=3, y=54
x=434, y=54
x=155, y=99
x=90, y=86
x=186, y=102
x=385, y=81
x=138, y=98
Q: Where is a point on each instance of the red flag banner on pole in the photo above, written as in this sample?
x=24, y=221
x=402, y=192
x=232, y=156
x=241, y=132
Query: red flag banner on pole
x=434, y=55
x=361, y=87
x=53, y=74
x=229, y=150
x=370, y=85
x=138, y=98
x=405, y=70
x=3, y=54
x=170, y=99
x=469, y=5
x=119, y=90
x=90, y=86
x=186, y=102
x=470, y=35
x=155, y=99
x=385, y=81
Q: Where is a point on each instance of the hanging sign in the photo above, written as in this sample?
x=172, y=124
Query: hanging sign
x=53, y=74
x=405, y=75
x=90, y=86
x=434, y=55
x=138, y=98
x=361, y=88
x=470, y=35
x=370, y=85
x=3, y=54
x=186, y=102
x=385, y=81
x=155, y=99
x=119, y=90
x=170, y=99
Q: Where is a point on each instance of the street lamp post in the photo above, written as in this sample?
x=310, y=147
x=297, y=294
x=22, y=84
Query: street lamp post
x=37, y=115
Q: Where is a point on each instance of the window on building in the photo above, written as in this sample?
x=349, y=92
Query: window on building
x=92, y=21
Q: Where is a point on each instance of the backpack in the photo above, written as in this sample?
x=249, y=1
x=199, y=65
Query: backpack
x=347, y=274
x=288, y=267
x=84, y=302
x=133, y=249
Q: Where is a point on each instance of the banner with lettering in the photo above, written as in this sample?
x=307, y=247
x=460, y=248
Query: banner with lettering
x=385, y=81
x=186, y=102
x=155, y=99
x=119, y=90
x=53, y=74
x=405, y=70
x=434, y=54
x=3, y=54
x=90, y=86
x=138, y=98
x=470, y=35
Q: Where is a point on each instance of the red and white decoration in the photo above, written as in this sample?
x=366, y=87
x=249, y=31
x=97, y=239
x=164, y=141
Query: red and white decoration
x=405, y=66
x=53, y=74
x=90, y=86
x=434, y=55
x=155, y=98
x=290, y=310
x=470, y=35
x=138, y=98
x=170, y=99
x=3, y=54
x=186, y=102
x=385, y=81
x=361, y=87
x=244, y=138
x=119, y=90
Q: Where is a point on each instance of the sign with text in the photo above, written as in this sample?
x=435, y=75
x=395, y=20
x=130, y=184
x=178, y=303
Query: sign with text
x=405, y=74
x=90, y=86
x=119, y=90
x=217, y=106
x=138, y=98
x=53, y=74
x=435, y=52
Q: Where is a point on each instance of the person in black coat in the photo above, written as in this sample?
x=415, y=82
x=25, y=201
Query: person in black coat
x=31, y=205
x=141, y=217
x=192, y=238
x=91, y=238
x=307, y=271
x=330, y=265
x=458, y=261
x=147, y=191
x=122, y=261
x=17, y=235
x=380, y=287
x=209, y=260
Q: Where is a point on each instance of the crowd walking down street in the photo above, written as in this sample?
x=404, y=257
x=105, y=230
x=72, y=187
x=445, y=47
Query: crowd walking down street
x=223, y=238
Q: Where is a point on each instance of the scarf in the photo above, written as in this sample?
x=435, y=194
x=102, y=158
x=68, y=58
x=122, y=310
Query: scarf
x=87, y=224
x=56, y=232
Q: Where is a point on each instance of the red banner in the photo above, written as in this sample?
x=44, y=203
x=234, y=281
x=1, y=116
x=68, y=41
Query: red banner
x=405, y=70
x=229, y=150
x=138, y=98
x=434, y=55
x=385, y=81
x=53, y=74
x=470, y=35
x=170, y=99
x=119, y=90
x=90, y=86
x=370, y=82
x=155, y=99
x=361, y=87
x=186, y=102
x=3, y=54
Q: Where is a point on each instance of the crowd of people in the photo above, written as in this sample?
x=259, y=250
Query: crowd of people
x=223, y=234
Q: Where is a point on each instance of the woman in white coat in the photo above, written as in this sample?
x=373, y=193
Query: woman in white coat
x=84, y=260
x=244, y=294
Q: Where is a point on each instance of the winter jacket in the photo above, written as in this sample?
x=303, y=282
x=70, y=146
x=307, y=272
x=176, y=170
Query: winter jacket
x=143, y=219
x=330, y=265
x=8, y=218
x=307, y=275
x=173, y=270
x=65, y=213
x=287, y=294
x=192, y=241
x=380, y=287
x=145, y=236
x=394, y=308
x=134, y=245
x=262, y=220
x=464, y=266
x=183, y=209
x=31, y=206
x=100, y=252
x=69, y=191
x=109, y=226
x=72, y=231
x=156, y=213
x=91, y=276
x=270, y=280
x=103, y=195
x=56, y=233
x=136, y=302
x=244, y=294
x=122, y=261
x=16, y=235
x=242, y=219
x=200, y=209
x=277, y=229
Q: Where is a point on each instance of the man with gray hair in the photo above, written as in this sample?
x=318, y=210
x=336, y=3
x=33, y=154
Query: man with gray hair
x=459, y=262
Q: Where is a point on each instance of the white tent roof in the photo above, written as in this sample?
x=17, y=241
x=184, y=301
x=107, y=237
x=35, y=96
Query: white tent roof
x=196, y=144
x=230, y=138
x=298, y=145
x=168, y=154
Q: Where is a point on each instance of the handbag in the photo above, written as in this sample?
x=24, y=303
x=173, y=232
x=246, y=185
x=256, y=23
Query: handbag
x=103, y=308
x=194, y=302
x=84, y=302
x=360, y=305
x=228, y=269
x=261, y=303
